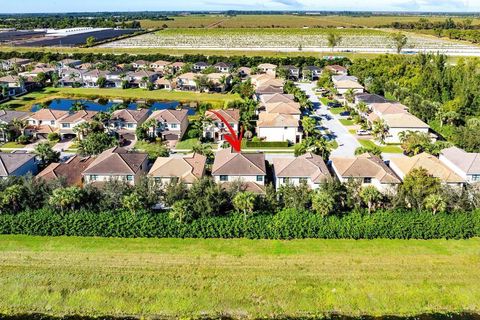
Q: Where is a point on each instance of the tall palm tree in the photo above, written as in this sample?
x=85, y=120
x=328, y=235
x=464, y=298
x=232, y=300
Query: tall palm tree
x=20, y=125
x=3, y=131
x=244, y=202
x=380, y=130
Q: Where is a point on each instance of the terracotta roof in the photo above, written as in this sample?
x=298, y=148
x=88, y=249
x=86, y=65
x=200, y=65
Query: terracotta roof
x=348, y=84
x=403, y=120
x=364, y=166
x=70, y=171
x=188, y=168
x=466, y=161
x=116, y=161
x=238, y=164
x=245, y=70
x=163, y=81
x=267, y=66
x=277, y=97
x=231, y=115
x=308, y=165
x=128, y=115
x=336, y=68
x=388, y=108
x=430, y=163
x=178, y=64
x=188, y=76
x=9, y=79
x=269, y=90
x=162, y=63
x=9, y=162
x=77, y=116
x=276, y=120
x=291, y=108
x=168, y=115
x=48, y=114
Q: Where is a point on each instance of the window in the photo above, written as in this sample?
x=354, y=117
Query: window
x=223, y=178
x=174, y=126
x=174, y=180
x=130, y=125
x=129, y=178
x=93, y=177
x=286, y=180
x=476, y=177
x=367, y=180
x=52, y=122
x=302, y=180
x=259, y=178
x=65, y=125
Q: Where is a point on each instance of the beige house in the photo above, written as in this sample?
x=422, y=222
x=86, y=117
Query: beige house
x=403, y=122
x=337, y=69
x=188, y=169
x=308, y=168
x=116, y=164
x=278, y=127
x=170, y=124
x=215, y=129
x=126, y=119
x=44, y=121
x=370, y=170
x=68, y=123
x=186, y=81
x=345, y=85
x=465, y=164
x=276, y=97
x=268, y=68
x=248, y=168
x=435, y=167
x=285, y=108
x=160, y=65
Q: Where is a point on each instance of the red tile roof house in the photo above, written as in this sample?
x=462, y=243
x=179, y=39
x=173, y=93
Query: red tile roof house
x=126, y=119
x=248, y=168
x=215, y=129
x=116, y=164
x=170, y=124
x=69, y=171
x=43, y=122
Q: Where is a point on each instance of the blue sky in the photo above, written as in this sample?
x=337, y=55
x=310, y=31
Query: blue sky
x=159, y=5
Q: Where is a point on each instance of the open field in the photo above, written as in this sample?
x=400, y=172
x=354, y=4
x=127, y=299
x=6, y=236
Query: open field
x=26, y=102
x=181, y=277
x=286, y=21
x=290, y=39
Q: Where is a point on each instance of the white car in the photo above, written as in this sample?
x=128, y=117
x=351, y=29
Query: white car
x=363, y=133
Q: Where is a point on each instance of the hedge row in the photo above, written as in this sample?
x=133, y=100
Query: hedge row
x=266, y=144
x=287, y=224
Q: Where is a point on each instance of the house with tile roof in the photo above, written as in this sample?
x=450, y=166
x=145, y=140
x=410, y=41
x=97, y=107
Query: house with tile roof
x=186, y=81
x=268, y=68
x=285, y=108
x=69, y=171
x=160, y=65
x=402, y=166
x=170, y=124
x=337, y=69
x=465, y=164
x=44, y=121
x=308, y=168
x=13, y=85
x=17, y=164
x=116, y=164
x=73, y=119
x=215, y=129
x=127, y=119
x=248, y=168
x=6, y=119
x=343, y=86
x=188, y=168
x=368, y=169
x=278, y=127
x=223, y=67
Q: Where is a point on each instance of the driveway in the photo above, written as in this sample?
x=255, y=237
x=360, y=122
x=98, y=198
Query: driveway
x=347, y=143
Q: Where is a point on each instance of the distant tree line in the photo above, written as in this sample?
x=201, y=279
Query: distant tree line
x=63, y=22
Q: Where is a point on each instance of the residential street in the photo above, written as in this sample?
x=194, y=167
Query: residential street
x=347, y=143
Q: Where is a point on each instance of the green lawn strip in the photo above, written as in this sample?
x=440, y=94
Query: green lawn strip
x=146, y=146
x=237, y=277
x=12, y=145
x=385, y=149
x=325, y=100
x=216, y=99
x=347, y=122
x=337, y=110
x=352, y=131
x=187, y=144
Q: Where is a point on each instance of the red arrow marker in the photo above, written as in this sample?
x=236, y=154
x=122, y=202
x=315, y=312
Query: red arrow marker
x=233, y=138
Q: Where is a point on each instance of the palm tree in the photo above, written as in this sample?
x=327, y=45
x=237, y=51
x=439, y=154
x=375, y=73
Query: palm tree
x=380, y=130
x=244, y=202
x=333, y=40
x=308, y=125
x=82, y=130
x=77, y=106
x=371, y=196
x=20, y=125
x=435, y=202
x=349, y=95
x=65, y=198
x=362, y=107
x=46, y=154
x=3, y=129
x=151, y=126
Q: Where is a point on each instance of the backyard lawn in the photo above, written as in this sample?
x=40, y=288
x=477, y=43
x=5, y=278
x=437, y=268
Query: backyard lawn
x=237, y=277
x=187, y=144
x=385, y=149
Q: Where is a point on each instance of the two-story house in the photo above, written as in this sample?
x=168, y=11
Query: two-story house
x=69, y=122
x=186, y=168
x=216, y=129
x=465, y=164
x=43, y=122
x=247, y=168
x=169, y=124
x=116, y=164
x=127, y=119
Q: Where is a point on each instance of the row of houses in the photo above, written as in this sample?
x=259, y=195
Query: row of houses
x=454, y=167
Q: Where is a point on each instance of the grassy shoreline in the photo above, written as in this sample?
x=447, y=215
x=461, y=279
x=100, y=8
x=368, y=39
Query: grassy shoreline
x=237, y=277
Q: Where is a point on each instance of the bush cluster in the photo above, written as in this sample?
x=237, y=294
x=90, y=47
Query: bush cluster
x=286, y=224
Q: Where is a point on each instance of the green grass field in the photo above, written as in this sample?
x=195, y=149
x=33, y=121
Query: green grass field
x=347, y=122
x=241, y=278
x=286, y=20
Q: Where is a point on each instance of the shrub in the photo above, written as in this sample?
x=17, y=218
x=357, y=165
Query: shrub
x=266, y=144
x=23, y=139
x=287, y=224
x=53, y=136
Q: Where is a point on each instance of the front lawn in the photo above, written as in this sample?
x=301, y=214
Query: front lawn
x=337, y=110
x=187, y=144
x=347, y=122
x=385, y=149
x=12, y=145
x=237, y=278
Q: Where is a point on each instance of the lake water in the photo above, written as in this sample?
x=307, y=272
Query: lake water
x=67, y=104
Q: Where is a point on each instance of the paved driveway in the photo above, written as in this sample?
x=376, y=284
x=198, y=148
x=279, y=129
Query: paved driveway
x=347, y=143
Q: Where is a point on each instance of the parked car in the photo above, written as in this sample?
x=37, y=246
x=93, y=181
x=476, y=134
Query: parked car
x=334, y=104
x=362, y=132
